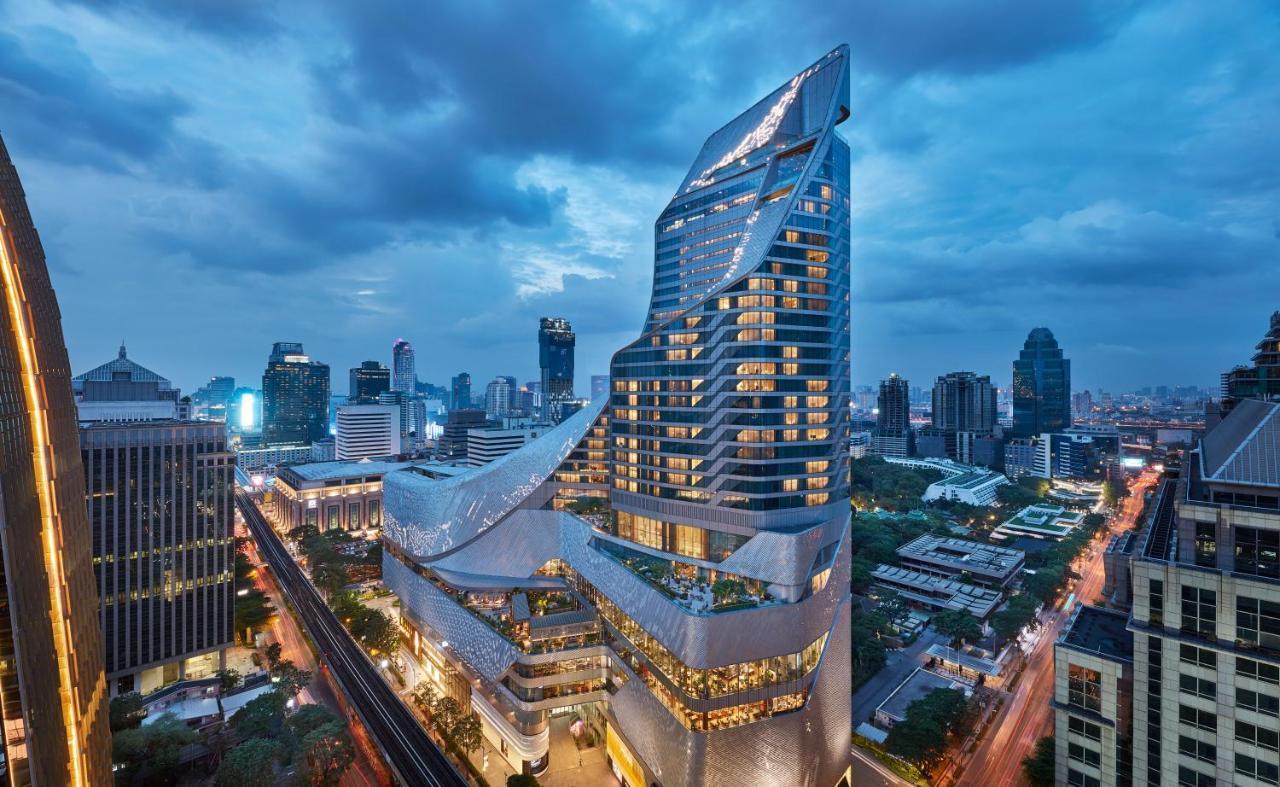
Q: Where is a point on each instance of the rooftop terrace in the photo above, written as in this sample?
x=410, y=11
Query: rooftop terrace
x=1101, y=631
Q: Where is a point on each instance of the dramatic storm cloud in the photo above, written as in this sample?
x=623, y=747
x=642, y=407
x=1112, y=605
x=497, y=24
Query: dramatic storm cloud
x=211, y=177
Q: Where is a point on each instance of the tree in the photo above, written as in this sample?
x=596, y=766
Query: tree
x=228, y=679
x=377, y=631
x=273, y=654
x=261, y=717
x=251, y=764
x=522, y=780
x=956, y=624
x=1113, y=492
x=309, y=718
x=1045, y=583
x=303, y=532
x=921, y=736
x=252, y=612
x=330, y=577
x=1017, y=495
x=1039, y=767
x=152, y=754
x=325, y=754
x=869, y=656
x=425, y=696
x=127, y=711
x=289, y=679
x=1017, y=615
x=466, y=734
x=893, y=606
x=445, y=714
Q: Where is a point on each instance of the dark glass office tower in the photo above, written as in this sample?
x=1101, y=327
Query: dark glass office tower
x=368, y=380
x=295, y=397
x=404, y=368
x=1041, y=386
x=556, y=341
x=964, y=402
x=53, y=693
x=894, y=406
x=461, y=397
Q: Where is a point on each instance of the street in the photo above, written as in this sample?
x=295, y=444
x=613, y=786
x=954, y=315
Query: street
x=409, y=751
x=1026, y=715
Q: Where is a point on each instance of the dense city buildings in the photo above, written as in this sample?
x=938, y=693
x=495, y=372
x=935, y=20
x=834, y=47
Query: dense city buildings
x=210, y=401
x=460, y=392
x=688, y=547
x=1262, y=379
x=1195, y=673
x=367, y=430
x=53, y=691
x=1041, y=386
x=556, y=341
x=367, y=381
x=892, y=435
x=404, y=369
x=295, y=397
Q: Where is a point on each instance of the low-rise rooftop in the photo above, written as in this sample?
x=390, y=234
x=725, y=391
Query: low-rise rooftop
x=963, y=555
x=1101, y=631
x=917, y=686
x=938, y=592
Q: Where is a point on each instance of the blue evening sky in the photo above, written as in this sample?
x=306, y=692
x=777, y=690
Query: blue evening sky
x=209, y=177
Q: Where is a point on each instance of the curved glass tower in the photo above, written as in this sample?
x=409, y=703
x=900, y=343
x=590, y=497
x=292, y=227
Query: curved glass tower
x=673, y=562
x=53, y=692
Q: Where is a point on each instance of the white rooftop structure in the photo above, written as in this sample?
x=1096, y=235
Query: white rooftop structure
x=1040, y=521
x=937, y=593
x=961, y=483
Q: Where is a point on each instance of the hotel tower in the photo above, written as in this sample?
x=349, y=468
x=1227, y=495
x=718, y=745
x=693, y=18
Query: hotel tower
x=671, y=564
x=53, y=692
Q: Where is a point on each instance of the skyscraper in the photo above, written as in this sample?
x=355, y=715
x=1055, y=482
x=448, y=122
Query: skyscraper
x=1262, y=379
x=964, y=420
x=53, y=693
x=367, y=431
x=162, y=554
x=1041, y=386
x=295, y=397
x=368, y=380
x=497, y=397
x=892, y=436
x=404, y=371
x=697, y=528
x=556, y=341
x=461, y=390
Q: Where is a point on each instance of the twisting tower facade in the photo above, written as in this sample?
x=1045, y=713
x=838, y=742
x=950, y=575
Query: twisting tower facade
x=693, y=530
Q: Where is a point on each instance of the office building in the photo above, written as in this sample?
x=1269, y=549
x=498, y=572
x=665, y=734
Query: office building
x=460, y=392
x=406, y=425
x=53, y=692
x=1202, y=641
x=367, y=381
x=122, y=390
x=726, y=440
x=265, y=459
x=555, y=359
x=367, y=431
x=964, y=420
x=452, y=444
x=486, y=445
x=404, y=368
x=497, y=398
x=892, y=435
x=1041, y=386
x=295, y=397
x=339, y=495
x=1262, y=379
x=1072, y=455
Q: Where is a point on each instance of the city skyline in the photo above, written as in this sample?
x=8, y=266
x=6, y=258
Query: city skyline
x=977, y=216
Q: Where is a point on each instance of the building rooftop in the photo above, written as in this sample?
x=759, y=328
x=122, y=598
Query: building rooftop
x=120, y=368
x=1245, y=447
x=1101, y=631
x=951, y=593
x=917, y=686
x=328, y=471
x=966, y=660
x=964, y=554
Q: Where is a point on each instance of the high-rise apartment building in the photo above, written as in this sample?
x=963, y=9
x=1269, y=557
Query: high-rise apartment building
x=1041, y=386
x=295, y=397
x=1188, y=692
x=404, y=368
x=691, y=535
x=892, y=435
x=461, y=392
x=53, y=692
x=1262, y=379
x=367, y=381
x=556, y=341
x=964, y=420
x=497, y=397
x=367, y=431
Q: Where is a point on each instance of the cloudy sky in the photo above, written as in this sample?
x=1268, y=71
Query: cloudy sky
x=209, y=177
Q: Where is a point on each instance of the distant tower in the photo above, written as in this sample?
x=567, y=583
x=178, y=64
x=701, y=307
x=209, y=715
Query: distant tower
x=497, y=397
x=1041, y=386
x=295, y=397
x=51, y=664
x=368, y=380
x=1260, y=381
x=404, y=375
x=964, y=402
x=893, y=421
x=555, y=358
x=461, y=392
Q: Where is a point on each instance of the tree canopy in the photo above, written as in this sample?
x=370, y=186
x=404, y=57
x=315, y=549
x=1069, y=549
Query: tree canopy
x=956, y=624
x=1039, y=767
x=922, y=735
